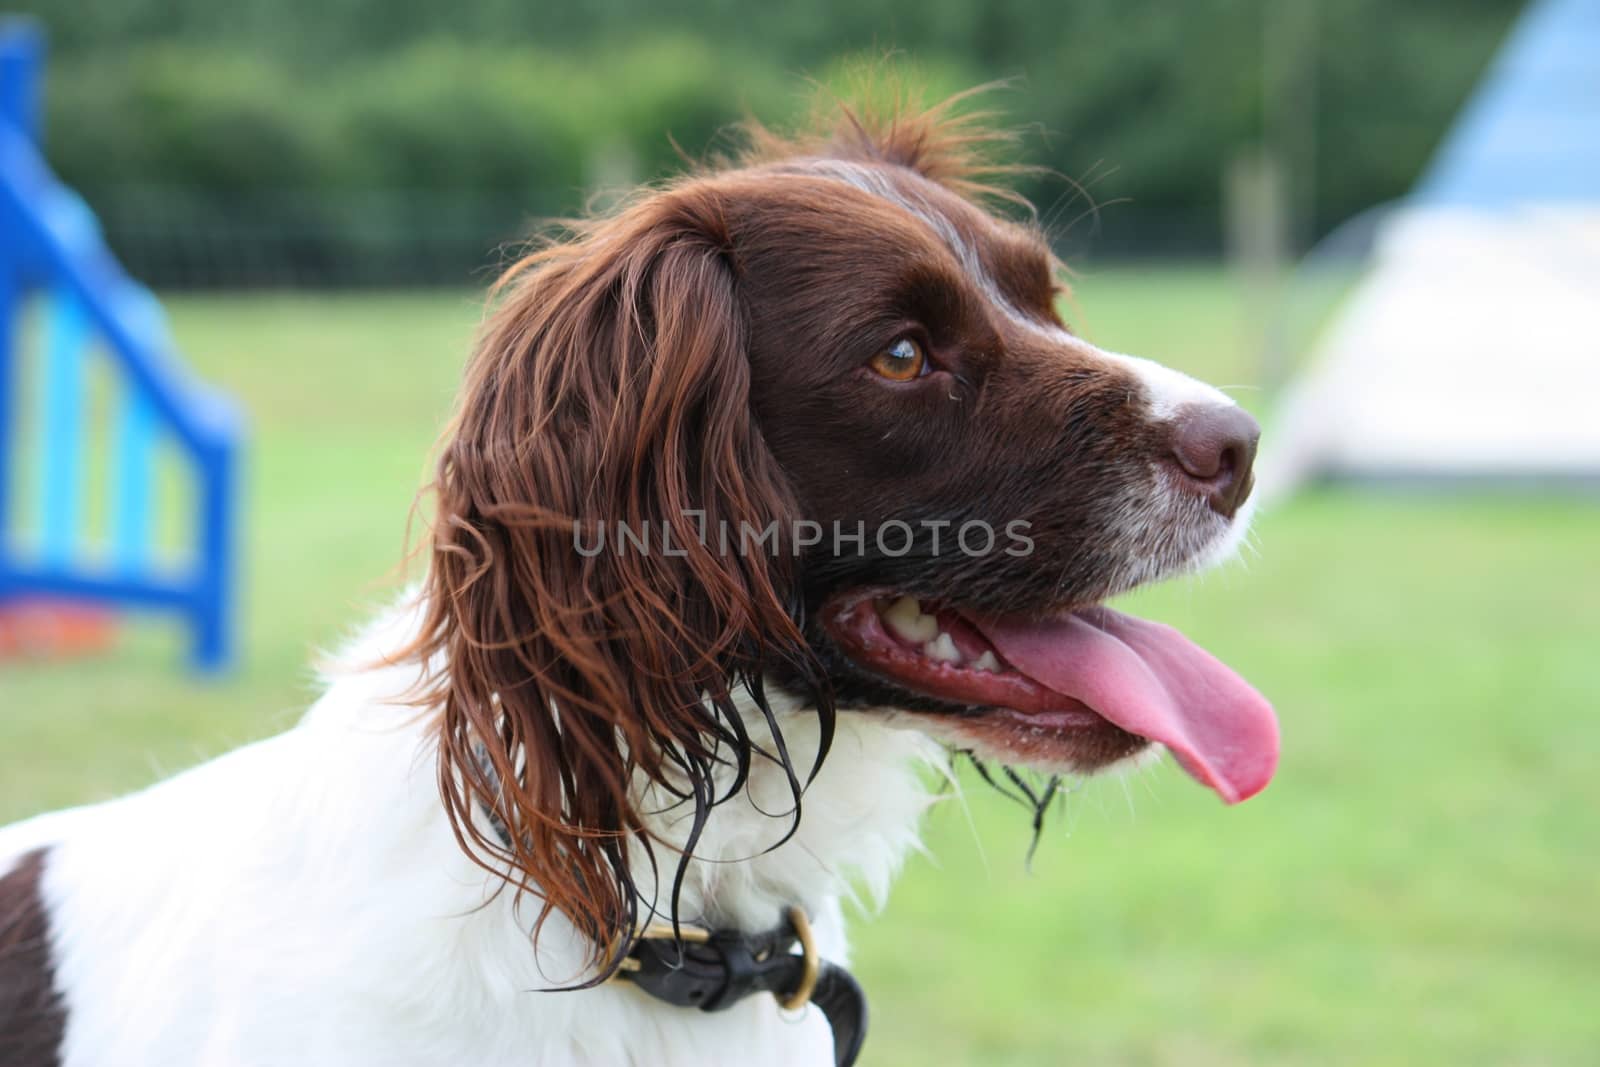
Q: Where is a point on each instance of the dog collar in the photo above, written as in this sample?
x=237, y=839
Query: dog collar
x=715, y=969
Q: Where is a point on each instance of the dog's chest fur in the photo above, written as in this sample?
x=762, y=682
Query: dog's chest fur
x=303, y=900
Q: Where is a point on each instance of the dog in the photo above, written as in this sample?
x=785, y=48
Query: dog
x=766, y=490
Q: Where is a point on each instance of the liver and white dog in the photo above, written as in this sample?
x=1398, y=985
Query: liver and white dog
x=764, y=489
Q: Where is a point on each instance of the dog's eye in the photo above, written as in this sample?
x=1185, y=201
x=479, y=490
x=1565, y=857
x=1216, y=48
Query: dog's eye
x=900, y=362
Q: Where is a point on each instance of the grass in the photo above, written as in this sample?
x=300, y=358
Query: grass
x=1417, y=887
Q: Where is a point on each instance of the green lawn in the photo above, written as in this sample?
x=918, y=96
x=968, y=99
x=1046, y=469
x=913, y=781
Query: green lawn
x=1420, y=885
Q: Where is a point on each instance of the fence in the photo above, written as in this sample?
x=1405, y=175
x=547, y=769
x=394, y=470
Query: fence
x=66, y=307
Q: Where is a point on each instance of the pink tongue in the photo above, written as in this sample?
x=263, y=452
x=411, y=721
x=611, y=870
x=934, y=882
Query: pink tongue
x=1152, y=681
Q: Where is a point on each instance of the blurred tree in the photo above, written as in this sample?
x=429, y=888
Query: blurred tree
x=1136, y=105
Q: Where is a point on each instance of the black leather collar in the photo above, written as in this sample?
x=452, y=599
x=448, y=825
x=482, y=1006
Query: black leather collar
x=714, y=971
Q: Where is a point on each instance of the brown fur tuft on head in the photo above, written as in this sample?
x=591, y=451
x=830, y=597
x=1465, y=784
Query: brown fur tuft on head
x=964, y=149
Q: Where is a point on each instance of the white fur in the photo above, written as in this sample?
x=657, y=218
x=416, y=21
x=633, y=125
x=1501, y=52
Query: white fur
x=1169, y=389
x=302, y=901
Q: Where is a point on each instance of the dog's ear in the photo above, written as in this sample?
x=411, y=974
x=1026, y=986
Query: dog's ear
x=590, y=608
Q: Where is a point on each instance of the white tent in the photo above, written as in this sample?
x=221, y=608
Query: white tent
x=1471, y=348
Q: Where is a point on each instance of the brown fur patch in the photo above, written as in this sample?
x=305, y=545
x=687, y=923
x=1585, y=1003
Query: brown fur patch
x=32, y=1017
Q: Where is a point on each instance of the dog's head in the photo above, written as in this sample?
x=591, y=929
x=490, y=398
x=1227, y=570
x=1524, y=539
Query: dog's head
x=810, y=420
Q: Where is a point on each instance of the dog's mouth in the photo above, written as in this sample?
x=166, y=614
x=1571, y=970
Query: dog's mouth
x=1079, y=690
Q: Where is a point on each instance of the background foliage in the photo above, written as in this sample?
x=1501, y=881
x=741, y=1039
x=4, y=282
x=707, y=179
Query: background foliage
x=395, y=140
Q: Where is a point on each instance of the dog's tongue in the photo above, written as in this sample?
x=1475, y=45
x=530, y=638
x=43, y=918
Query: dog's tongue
x=1152, y=681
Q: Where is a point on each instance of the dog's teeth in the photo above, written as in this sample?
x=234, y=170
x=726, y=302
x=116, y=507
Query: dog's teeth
x=906, y=619
x=942, y=649
x=986, y=662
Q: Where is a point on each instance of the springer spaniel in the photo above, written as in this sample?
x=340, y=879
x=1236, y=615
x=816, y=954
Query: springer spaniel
x=766, y=490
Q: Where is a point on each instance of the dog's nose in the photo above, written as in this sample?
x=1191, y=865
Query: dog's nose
x=1215, y=445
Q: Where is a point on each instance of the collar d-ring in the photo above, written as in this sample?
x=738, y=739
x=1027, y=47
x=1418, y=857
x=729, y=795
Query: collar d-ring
x=808, y=977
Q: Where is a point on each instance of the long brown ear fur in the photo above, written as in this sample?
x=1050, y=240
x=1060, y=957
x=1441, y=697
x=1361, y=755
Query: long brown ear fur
x=610, y=385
